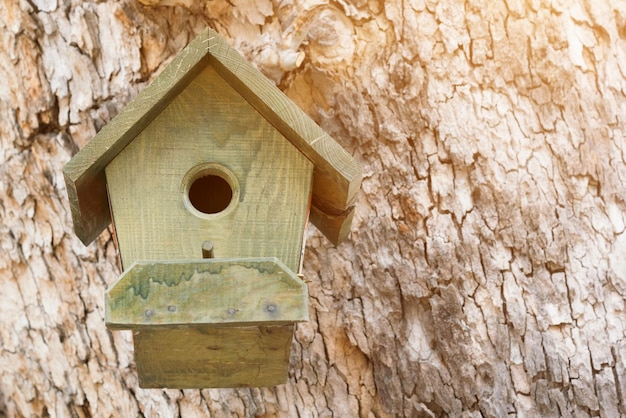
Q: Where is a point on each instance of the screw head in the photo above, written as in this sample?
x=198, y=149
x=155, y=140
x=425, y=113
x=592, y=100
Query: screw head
x=270, y=308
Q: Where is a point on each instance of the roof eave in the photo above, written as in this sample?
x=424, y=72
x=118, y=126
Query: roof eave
x=84, y=173
x=337, y=175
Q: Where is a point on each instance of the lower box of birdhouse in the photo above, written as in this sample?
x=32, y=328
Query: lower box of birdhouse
x=201, y=357
x=209, y=323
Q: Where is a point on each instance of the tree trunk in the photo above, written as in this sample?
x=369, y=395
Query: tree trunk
x=485, y=274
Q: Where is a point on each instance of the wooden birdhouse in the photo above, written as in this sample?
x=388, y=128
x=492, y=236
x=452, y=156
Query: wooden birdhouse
x=211, y=151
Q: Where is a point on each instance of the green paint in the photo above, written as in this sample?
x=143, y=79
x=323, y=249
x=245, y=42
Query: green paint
x=203, y=291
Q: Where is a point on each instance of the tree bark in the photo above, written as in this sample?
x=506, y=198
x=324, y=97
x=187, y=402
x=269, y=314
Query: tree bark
x=485, y=273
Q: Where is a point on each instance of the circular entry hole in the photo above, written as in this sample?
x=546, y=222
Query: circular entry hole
x=210, y=194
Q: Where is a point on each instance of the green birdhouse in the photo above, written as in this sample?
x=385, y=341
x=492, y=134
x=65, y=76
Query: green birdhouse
x=209, y=177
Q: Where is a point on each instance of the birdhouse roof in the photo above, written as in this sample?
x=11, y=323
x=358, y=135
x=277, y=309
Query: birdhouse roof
x=336, y=176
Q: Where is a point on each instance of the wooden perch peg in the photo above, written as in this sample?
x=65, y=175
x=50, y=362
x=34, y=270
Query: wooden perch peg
x=207, y=250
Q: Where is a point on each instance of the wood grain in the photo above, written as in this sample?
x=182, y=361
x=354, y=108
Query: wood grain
x=271, y=179
x=485, y=273
x=337, y=175
x=209, y=323
x=205, y=357
x=84, y=173
x=234, y=292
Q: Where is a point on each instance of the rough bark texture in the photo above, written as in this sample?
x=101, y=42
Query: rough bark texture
x=486, y=271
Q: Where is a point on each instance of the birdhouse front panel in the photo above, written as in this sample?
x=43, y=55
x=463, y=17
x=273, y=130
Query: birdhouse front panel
x=209, y=167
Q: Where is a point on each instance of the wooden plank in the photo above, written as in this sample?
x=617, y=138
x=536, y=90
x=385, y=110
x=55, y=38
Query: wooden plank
x=206, y=357
x=84, y=173
x=334, y=227
x=271, y=181
x=234, y=292
x=337, y=176
x=89, y=204
x=207, y=250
